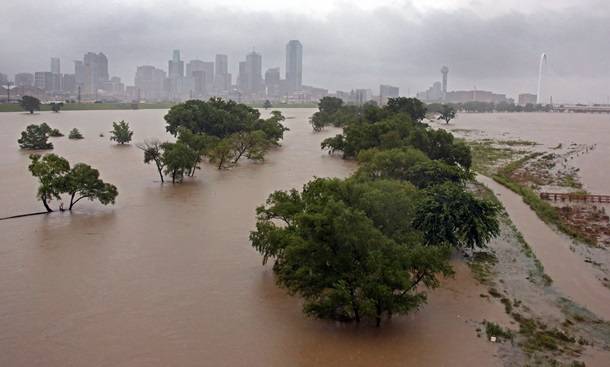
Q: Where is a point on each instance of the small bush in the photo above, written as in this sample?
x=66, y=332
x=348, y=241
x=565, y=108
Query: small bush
x=75, y=134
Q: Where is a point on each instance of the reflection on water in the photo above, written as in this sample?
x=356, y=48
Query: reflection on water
x=167, y=275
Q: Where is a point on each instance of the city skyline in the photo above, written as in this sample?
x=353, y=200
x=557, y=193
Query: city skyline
x=399, y=43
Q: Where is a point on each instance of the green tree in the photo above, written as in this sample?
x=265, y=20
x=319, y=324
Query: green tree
x=267, y=104
x=30, y=104
x=50, y=170
x=450, y=215
x=179, y=159
x=330, y=104
x=120, y=132
x=35, y=137
x=75, y=134
x=222, y=153
x=83, y=182
x=153, y=152
x=337, y=257
x=411, y=106
x=56, y=107
x=252, y=144
x=447, y=113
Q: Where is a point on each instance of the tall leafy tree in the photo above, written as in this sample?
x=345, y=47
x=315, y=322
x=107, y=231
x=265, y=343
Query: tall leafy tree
x=450, y=215
x=30, y=104
x=121, y=132
x=56, y=107
x=336, y=253
x=179, y=159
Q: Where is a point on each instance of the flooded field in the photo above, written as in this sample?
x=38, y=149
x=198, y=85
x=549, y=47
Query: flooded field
x=550, y=130
x=167, y=276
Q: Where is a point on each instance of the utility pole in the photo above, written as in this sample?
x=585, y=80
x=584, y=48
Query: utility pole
x=78, y=94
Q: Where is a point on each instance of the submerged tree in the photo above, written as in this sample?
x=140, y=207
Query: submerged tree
x=75, y=134
x=50, y=171
x=178, y=159
x=153, y=152
x=30, y=104
x=120, y=132
x=348, y=257
x=267, y=104
x=83, y=182
x=80, y=182
x=56, y=107
x=447, y=113
x=35, y=137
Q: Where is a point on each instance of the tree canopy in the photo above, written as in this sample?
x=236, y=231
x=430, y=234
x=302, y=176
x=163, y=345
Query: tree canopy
x=30, y=104
x=35, y=137
x=75, y=134
x=121, y=132
x=79, y=182
x=447, y=113
x=56, y=107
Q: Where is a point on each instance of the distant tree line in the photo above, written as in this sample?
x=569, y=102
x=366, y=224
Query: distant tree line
x=369, y=245
x=489, y=107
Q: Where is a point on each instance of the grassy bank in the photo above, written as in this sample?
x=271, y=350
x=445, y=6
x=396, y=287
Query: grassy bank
x=90, y=106
x=543, y=209
x=13, y=107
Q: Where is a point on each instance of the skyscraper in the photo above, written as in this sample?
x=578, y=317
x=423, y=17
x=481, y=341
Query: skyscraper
x=150, y=83
x=222, y=78
x=294, y=65
x=444, y=71
x=254, y=73
x=175, y=66
x=24, y=80
x=95, y=72
x=55, y=65
x=272, y=82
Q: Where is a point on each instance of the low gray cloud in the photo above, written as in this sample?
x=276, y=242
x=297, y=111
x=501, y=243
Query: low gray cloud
x=345, y=49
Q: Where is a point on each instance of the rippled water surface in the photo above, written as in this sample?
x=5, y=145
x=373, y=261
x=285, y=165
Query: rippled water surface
x=167, y=276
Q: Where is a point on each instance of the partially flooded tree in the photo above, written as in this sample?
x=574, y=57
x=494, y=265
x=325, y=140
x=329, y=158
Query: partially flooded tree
x=267, y=104
x=83, y=182
x=30, y=104
x=35, y=137
x=80, y=182
x=153, y=152
x=56, y=107
x=178, y=159
x=50, y=171
x=222, y=153
x=121, y=132
x=75, y=134
x=447, y=113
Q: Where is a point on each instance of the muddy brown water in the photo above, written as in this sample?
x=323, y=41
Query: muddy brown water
x=551, y=129
x=167, y=276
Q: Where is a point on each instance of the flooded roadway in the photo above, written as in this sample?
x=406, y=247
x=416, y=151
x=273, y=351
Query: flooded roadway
x=167, y=276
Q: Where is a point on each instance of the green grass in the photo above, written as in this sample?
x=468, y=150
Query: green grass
x=90, y=106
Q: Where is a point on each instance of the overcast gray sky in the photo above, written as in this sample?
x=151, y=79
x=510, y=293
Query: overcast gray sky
x=487, y=44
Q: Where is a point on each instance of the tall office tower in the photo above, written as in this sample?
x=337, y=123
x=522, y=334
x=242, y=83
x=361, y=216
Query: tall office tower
x=94, y=72
x=222, y=78
x=242, y=77
x=444, y=71
x=200, y=75
x=24, y=80
x=294, y=66
x=175, y=66
x=272, y=82
x=79, y=73
x=55, y=65
x=150, y=83
x=175, y=74
x=68, y=83
x=56, y=71
x=3, y=79
x=43, y=80
x=254, y=73
x=386, y=92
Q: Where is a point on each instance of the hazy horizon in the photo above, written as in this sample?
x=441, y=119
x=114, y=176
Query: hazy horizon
x=488, y=45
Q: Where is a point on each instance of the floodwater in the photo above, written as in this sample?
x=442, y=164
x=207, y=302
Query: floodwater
x=551, y=129
x=571, y=276
x=167, y=276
